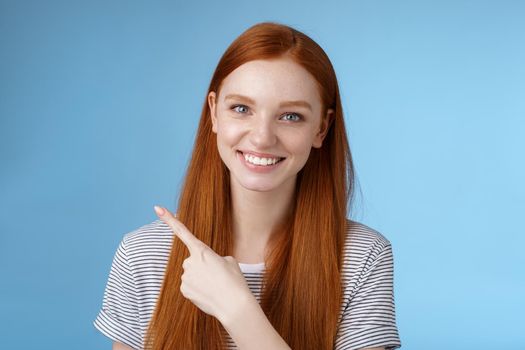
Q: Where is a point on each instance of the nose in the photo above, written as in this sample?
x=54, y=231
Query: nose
x=262, y=134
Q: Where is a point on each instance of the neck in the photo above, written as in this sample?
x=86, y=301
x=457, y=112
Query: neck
x=256, y=214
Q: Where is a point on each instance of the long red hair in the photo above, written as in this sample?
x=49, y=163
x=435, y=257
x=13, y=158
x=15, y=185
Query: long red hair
x=302, y=291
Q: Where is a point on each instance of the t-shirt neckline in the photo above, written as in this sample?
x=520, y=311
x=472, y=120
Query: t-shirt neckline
x=252, y=268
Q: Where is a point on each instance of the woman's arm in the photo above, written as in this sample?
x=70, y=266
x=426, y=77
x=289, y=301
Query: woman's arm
x=249, y=327
x=120, y=346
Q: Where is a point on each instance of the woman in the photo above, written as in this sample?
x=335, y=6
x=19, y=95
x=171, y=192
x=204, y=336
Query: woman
x=263, y=255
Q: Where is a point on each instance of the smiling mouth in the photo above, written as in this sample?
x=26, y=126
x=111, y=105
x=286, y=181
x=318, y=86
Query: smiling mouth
x=260, y=161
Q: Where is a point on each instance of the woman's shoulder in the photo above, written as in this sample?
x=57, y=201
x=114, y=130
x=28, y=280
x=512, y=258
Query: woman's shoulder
x=155, y=228
x=363, y=243
x=150, y=240
x=135, y=281
x=364, y=248
x=358, y=233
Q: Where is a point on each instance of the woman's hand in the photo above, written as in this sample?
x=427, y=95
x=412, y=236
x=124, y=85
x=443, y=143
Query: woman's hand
x=215, y=284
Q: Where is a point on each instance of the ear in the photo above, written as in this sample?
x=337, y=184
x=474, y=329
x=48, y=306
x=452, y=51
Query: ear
x=326, y=121
x=212, y=104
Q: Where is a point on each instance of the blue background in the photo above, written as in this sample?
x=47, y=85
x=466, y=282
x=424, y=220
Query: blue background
x=99, y=105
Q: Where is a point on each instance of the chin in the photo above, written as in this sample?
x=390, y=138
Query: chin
x=256, y=184
x=258, y=187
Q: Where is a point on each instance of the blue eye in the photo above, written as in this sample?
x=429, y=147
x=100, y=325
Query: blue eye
x=237, y=107
x=242, y=109
x=297, y=117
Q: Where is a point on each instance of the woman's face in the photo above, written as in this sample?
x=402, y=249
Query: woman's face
x=267, y=117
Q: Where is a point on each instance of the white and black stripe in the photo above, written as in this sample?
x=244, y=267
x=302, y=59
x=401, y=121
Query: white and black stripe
x=367, y=317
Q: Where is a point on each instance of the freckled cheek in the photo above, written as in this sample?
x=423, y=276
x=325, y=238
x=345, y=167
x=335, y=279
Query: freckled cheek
x=229, y=133
x=298, y=143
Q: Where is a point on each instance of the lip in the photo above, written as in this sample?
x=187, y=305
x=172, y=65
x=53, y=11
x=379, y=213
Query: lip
x=258, y=168
x=260, y=155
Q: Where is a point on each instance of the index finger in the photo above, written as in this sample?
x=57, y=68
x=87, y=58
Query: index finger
x=180, y=230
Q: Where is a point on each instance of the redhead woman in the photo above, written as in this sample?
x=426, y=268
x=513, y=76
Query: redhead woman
x=260, y=253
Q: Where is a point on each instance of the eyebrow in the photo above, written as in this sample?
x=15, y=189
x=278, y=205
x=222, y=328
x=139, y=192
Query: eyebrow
x=298, y=103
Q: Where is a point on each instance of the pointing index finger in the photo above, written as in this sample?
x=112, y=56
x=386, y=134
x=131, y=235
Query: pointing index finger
x=179, y=229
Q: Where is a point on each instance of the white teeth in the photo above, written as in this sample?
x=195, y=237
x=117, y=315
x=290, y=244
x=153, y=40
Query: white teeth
x=260, y=161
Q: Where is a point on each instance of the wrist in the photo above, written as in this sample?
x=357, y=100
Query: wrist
x=249, y=327
x=245, y=305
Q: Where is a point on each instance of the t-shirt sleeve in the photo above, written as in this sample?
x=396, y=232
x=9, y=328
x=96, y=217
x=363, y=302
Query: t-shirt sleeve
x=369, y=317
x=118, y=318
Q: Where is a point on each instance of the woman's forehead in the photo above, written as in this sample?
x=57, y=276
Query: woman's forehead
x=281, y=79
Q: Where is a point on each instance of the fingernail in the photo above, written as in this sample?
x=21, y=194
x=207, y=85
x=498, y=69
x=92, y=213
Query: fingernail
x=158, y=210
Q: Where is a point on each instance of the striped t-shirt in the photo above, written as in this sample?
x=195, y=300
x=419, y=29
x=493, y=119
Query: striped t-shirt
x=367, y=316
